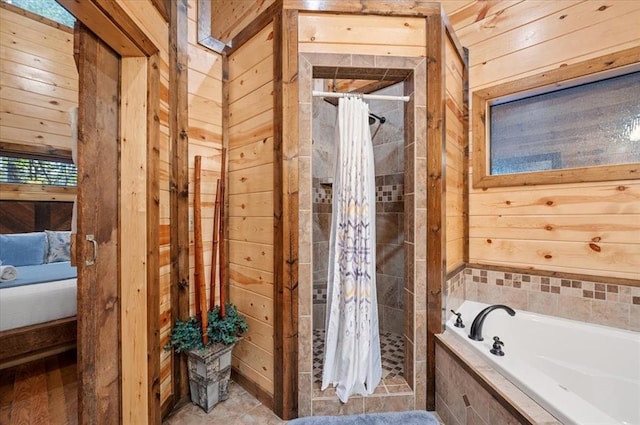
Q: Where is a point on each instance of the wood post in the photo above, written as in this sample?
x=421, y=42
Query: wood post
x=223, y=270
x=198, y=276
x=214, y=248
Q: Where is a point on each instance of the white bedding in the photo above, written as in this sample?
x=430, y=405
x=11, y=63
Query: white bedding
x=32, y=304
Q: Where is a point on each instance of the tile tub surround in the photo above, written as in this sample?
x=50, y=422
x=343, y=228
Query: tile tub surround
x=469, y=391
x=616, y=305
x=455, y=290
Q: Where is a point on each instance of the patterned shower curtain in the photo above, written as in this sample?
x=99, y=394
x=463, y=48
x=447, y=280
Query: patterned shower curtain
x=352, y=361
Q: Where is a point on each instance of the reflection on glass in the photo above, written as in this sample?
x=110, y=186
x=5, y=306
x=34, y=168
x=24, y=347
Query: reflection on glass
x=588, y=125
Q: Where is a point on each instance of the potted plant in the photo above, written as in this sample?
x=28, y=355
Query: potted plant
x=208, y=365
x=208, y=337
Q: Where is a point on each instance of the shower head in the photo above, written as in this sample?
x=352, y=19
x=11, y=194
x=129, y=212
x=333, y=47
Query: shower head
x=374, y=117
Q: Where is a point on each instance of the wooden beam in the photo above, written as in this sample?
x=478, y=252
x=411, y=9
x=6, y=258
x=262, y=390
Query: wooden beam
x=162, y=6
x=97, y=21
x=254, y=27
x=121, y=19
x=436, y=205
x=286, y=213
x=153, y=238
x=112, y=24
x=179, y=183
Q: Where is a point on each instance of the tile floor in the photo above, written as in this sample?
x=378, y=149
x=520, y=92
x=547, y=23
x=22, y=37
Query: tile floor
x=391, y=351
x=241, y=408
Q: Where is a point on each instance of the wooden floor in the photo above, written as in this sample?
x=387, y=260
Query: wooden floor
x=43, y=392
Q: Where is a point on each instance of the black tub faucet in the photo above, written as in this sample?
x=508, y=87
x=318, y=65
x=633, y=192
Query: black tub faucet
x=476, y=327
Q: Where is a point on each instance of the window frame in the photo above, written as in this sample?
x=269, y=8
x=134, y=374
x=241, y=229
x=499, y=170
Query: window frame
x=607, y=66
x=36, y=192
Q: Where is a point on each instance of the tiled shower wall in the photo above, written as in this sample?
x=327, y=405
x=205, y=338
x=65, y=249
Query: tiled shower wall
x=388, y=145
x=591, y=301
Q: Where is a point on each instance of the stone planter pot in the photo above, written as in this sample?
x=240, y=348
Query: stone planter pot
x=209, y=374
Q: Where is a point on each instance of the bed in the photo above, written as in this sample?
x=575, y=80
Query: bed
x=38, y=309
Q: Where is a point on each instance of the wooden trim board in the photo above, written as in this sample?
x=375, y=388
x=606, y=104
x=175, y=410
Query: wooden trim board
x=436, y=205
x=25, y=344
x=286, y=214
x=179, y=183
x=153, y=239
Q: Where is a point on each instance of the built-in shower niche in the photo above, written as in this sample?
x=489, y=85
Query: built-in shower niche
x=387, y=130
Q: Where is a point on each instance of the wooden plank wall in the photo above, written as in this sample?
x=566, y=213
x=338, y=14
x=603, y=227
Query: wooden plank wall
x=250, y=198
x=456, y=146
x=231, y=16
x=24, y=217
x=39, y=81
x=550, y=227
x=369, y=35
x=205, y=139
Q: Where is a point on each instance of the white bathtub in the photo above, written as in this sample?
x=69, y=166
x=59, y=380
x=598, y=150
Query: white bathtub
x=583, y=374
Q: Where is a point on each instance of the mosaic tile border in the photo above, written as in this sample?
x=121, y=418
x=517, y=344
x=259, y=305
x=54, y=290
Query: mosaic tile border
x=319, y=294
x=576, y=288
x=590, y=301
x=385, y=193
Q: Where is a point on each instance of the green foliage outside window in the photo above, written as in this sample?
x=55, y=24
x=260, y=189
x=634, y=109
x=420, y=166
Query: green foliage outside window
x=37, y=171
x=49, y=9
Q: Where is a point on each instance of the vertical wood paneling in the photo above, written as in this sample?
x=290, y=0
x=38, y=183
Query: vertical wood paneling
x=249, y=98
x=455, y=158
x=133, y=237
x=517, y=39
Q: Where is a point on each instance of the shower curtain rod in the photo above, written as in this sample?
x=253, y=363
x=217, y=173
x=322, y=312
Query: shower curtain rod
x=364, y=96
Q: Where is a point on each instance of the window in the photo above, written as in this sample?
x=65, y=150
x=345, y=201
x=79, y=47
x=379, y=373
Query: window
x=37, y=171
x=49, y=9
x=568, y=125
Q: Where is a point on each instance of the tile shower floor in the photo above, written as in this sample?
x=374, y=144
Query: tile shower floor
x=391, y=351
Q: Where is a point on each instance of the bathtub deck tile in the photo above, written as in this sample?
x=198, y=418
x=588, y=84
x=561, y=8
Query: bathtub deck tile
x=502, y=387
x=473, y=418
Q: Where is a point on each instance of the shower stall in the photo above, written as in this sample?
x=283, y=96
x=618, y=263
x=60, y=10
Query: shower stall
x=281, y=141
x=387, y=131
